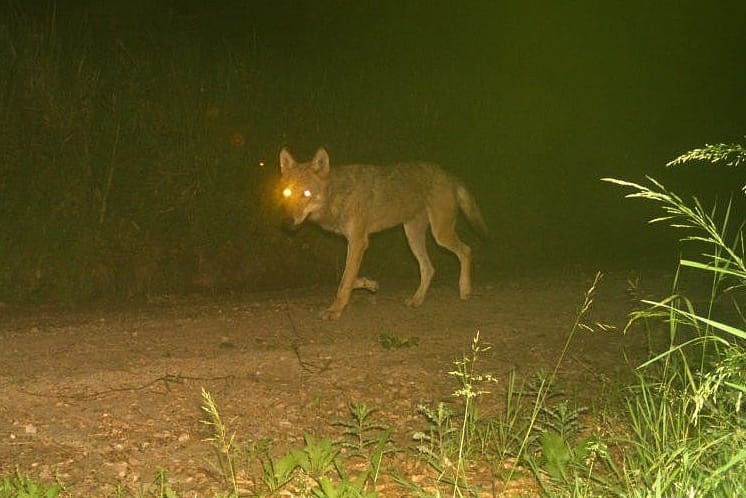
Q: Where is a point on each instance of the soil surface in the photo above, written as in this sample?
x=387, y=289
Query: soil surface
x=107, y=395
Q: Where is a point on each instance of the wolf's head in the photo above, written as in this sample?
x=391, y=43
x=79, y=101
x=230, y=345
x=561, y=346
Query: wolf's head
x=303, y=184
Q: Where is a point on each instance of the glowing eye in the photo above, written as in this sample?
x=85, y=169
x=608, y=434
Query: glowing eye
x=287, y=192
x=306, y=193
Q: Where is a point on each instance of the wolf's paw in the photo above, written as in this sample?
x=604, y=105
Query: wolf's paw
x=330, y=314
x=366, y=283
x=414, y=302
x=464, y=292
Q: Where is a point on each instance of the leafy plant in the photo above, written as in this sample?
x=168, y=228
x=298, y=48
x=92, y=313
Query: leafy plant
x=161, y=488
x=317, y=458
x=360, y=431
x=277, y=473
x=436, y=442
x=19, y=486
x=389, y=341
x=345, y=488
x=559, y=427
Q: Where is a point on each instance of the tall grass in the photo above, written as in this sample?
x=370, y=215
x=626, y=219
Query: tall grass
x=688, y=430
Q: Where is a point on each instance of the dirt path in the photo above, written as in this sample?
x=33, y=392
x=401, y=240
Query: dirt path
x=108, y=395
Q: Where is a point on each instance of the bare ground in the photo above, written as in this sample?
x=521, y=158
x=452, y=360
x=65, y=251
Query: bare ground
x=103, y=395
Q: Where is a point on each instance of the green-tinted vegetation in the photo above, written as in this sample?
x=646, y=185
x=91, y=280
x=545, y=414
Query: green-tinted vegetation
x=688, y=436
x=130, y=166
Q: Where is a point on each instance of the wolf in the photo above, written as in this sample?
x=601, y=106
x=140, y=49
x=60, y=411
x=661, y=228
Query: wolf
x=359, y=199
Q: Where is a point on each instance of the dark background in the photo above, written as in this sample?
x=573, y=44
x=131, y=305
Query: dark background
x=133, y=132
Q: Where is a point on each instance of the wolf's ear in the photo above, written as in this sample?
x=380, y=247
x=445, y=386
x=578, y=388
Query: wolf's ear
x=286, y=160
x=320, y=163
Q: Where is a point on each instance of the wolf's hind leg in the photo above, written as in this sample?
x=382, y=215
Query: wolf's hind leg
x=444, y=232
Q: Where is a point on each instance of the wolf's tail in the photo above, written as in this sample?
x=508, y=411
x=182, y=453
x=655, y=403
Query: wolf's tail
x=469, y=207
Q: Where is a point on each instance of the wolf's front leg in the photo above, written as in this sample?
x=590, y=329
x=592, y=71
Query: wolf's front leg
x=356, y=247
